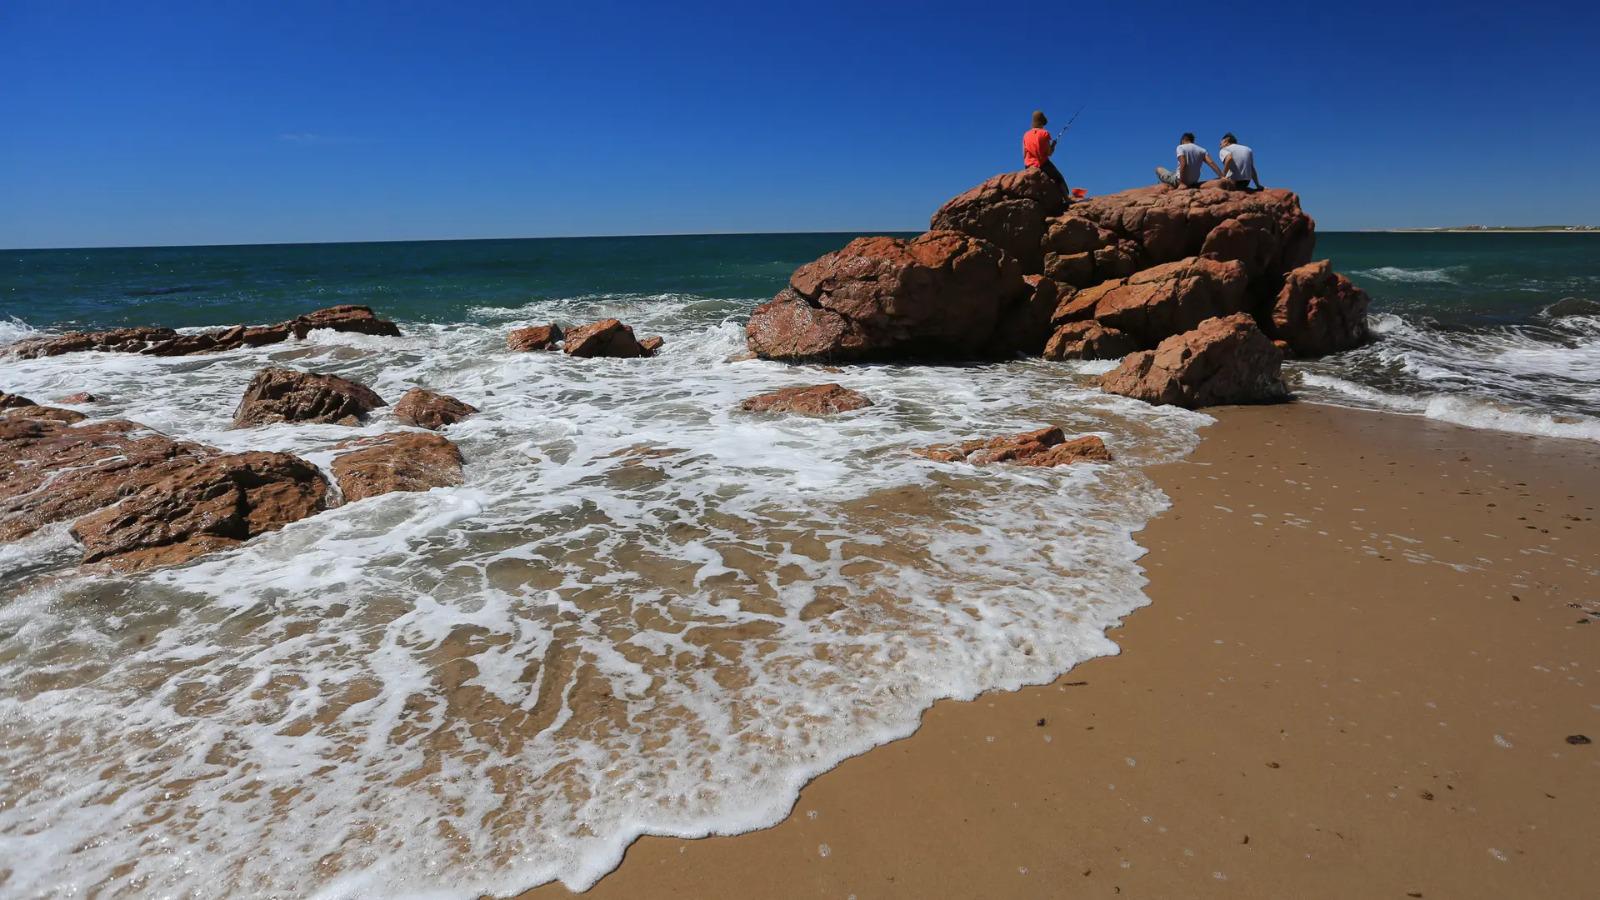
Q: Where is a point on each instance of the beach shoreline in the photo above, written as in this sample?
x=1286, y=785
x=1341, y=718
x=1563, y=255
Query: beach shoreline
x=1363, y=673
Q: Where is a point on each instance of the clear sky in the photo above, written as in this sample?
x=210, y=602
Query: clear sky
x=221, y=122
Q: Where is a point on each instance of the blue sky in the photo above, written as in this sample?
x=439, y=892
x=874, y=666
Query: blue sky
x=177, y=123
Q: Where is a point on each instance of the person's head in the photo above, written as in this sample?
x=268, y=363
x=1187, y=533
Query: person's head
x=1039, y=121
x=1188, y=138
x=1228, y=139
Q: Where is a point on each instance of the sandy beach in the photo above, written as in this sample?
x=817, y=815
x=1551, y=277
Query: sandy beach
x=1364, y=672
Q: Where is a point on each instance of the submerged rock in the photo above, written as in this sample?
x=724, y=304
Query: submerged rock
x=401, y=461
x=287, y=395
x=79, y=399
x=168, y=342
x=1044, y=447
x=1318, y=311
x=652, y=345
x=1010, y=211
x=1224, y=360
x=200, y=506
x=607, y=337
x=427, y=409
x=807, y=400
x=940, y=295
x=534, y=337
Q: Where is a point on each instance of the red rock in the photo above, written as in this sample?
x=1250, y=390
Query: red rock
x=427, y=409
x=402, y=461
x=1124, y=232
x=1162, y=301
x=534, y=337
x=45, y=413
x=807, y=400
x=202, y=506
x=1224, y=360
x=652, y=345
x=1009, y=211
x=14, y=401
x=116, y=340
x=1025, y=327
x=1088, y=340
x=940, y=295
x=351, y=318
x=286, y=395
x=607, y=337
x=80, y=398
x=50, y=472
x=1044, y=447
x=1319, y=311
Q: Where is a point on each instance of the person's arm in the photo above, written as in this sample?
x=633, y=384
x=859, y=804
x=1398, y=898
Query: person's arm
x=1049, y=147
x=1259, y=185
x=1227, y=166
x=1213, y=165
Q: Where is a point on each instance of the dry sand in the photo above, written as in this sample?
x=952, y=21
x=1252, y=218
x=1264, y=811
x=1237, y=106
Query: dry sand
x=1363, y=660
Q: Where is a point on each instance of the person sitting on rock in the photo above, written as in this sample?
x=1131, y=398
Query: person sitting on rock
x=1190, y=156
x=1238, y=164
x=1037, y=145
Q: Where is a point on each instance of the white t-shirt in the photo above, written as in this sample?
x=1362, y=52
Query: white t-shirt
x=1244, y=162
x=1190, y=157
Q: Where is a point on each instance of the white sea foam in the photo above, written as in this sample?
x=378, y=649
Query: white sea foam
x=1418, y=276
x=644, y=612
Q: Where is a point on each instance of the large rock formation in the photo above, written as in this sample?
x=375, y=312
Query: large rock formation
x=1318, y=311
x=402, y=461
x=1160, y=301
x=1045, y=447
x=1009, y=211
x=206, y=505
x=428, y=409
x=167, y=342
x=286, y=395
x=1224, y=360
x=807, y=400
x=940, y=295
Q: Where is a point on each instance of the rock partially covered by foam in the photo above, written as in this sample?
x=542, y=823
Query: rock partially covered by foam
x=429, y=409
x=1044, y=447
x=534, y=337
x=1010, y=211
x=1318, y=311
x=607, y=337
x=807, y=400
x=401, y=461
x=167, y=342
x=1224, y=360
x=940, y=295
x=287, y=395
x=202, y=505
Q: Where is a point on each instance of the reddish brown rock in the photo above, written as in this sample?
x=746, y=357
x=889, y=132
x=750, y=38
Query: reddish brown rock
x=167, y=342
x=1025, y=327
x=1266, y=231
x=1088, y=340
x=1319, y=311
x=351, y=318
x=201, y=506
x=652, y=345
x=51, y=472
x=286, y=395
x=79, y=399
x=940, y=295
x=403, y=461
x=45, y=413
x=807, y=400
x=1009, y=211
x=1224, y=360
x=1043, y=448
x=1162, y=301
x=14, y=401
x=607, y=337
x=427, y=409
x=534, y=337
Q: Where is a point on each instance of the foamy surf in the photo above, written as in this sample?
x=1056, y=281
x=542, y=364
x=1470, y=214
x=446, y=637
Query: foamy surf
x=644, y=612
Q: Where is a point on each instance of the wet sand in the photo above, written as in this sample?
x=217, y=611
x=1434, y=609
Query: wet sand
x=1370, y=640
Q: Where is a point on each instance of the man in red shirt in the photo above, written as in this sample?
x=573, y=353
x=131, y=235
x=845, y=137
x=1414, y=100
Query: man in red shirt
x=1037, y=145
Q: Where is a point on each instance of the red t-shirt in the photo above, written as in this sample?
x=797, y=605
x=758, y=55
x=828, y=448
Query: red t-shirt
x=1035, y=147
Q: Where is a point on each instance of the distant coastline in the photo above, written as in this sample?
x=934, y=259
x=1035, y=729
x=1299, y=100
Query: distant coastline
x=1495, y=229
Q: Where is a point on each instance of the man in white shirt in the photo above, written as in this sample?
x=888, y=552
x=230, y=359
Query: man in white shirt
x=1190, y=157
x=1238, y=163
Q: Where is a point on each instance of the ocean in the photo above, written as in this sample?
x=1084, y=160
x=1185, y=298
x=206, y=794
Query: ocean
x=644, y=611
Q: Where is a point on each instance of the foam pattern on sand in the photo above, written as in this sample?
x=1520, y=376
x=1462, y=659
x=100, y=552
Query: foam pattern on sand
x=644, y=612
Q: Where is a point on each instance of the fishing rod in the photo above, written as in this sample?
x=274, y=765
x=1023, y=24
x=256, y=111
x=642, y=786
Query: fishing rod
x=1063, y=132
